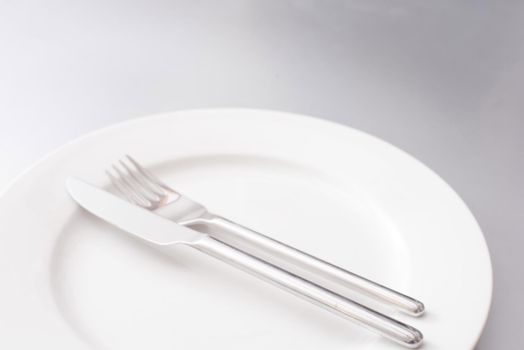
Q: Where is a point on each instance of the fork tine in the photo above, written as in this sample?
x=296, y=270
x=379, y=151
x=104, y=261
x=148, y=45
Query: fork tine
x=124, y=189
x=138, y=185
x=120, y=188
x=140, y=179
x=132, y=188
x=149, y=175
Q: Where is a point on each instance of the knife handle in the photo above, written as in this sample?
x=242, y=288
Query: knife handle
x=320, y=270
x=337, y=304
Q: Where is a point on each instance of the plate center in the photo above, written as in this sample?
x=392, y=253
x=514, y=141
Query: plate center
x=119, y=294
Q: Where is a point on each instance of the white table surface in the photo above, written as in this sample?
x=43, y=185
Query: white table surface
x=443, y=80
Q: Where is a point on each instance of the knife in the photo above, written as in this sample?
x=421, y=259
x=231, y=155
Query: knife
x=164, y=234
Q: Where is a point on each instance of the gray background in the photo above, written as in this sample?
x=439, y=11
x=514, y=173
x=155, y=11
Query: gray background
x=443, y=80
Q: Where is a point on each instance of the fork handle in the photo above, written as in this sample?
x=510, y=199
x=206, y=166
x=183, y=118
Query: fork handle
x=373, y=320
x=321, y=271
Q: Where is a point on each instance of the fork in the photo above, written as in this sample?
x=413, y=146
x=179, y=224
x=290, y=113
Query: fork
x=139, y=186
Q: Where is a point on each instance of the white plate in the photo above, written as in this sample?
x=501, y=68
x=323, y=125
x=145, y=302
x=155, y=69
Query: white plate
x=69, y=281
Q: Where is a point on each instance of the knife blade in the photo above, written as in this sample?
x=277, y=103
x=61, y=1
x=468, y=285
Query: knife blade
x=130, y=218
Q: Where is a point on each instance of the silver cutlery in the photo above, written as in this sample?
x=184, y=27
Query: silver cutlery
x=139, y=186
x=165, y=234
